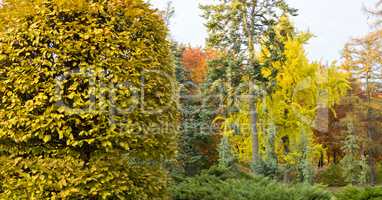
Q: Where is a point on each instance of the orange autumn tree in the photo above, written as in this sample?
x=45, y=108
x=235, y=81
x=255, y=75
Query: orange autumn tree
x=195, y=61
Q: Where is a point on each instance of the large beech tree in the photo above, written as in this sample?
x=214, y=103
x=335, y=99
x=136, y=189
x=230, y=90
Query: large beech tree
x=85, y=92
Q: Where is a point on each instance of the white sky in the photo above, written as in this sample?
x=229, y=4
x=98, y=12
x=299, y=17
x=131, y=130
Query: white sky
x=333, y=22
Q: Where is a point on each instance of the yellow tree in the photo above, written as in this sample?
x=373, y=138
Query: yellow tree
x=236, y=26
x=287, y=114
x=84, y=95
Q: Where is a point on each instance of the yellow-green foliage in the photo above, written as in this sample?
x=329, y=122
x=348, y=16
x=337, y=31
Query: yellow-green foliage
x=85, y=92
x=301, y=88
x=237, y=128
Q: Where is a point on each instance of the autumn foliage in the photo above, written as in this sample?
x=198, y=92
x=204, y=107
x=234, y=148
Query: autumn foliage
x=70, y=127
x=195, y=61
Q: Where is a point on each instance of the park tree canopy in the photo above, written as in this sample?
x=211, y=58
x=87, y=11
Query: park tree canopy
x=86, y=100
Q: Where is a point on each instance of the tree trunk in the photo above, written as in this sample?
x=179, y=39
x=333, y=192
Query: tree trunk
x=370, y=131
x=371, y=151
x=328, y=155
x=255, y=138
x=248, y=27
x=334, y=157
x=321, y=160
x=373, y=170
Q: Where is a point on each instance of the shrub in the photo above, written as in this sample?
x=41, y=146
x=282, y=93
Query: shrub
x=212, y=186
x=331, y=176
x=70, y=88
x=268, y=168
x=354, y=193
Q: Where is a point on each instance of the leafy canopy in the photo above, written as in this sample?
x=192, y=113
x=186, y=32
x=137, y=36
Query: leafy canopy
x=85, y=89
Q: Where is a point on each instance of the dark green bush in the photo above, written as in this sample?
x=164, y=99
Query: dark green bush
x=355, y=193
x=268, y=168
x=221, y=184
x=331, y=176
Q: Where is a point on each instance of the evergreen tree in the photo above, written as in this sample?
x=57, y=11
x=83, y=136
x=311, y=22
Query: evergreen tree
x=364, y=171
x=197, y=144
x=350, y=162
x=226, y=157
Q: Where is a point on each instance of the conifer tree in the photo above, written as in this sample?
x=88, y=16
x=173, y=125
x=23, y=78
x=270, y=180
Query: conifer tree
x=226, y=158
x=350, y=162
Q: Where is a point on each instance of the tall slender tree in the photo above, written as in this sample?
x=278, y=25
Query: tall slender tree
x=236, y=26
x=363, y=57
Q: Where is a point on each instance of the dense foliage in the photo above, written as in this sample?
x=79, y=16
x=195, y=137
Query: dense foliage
x=94, y=93
x=220, y=183
x=85, y=92
x=331, y=176
x=197, y=144
x=353, y=193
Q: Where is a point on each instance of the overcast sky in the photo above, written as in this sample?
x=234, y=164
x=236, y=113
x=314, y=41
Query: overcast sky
x=333, y=22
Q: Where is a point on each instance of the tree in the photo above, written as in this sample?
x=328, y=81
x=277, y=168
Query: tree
x=168, y=13
x=197, y=144
x=195, y=61
x=226, y=157
x=288, y=112
x=354, y=163
x=376, y=12
x=362, y=57
x=350, y=161
x=236, y=26
x=85, y=100
x=300, y=89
